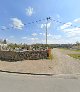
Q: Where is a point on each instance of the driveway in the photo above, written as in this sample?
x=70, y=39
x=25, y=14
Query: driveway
x=65, y=64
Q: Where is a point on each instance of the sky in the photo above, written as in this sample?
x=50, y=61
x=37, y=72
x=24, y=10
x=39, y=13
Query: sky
x=14, y=14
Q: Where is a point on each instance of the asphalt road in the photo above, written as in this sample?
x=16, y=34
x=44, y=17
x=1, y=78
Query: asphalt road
x=24, y=83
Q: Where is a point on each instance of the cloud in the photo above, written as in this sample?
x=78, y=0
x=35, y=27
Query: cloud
x=24, y=38
x=30, y=40
x=40, y=33
x=72, y=32
x=57, y=36
x=17, y=23
x=3, y=28
x=44, y=25
x=66, y=25
x=34, y=34
x=58, y=16
x=49, y=35
x=77, y=20
x=43, y=34
x=54, y=36
x=11, y=36
x=49, y=25
x=29, y=11
x=55, y=39
x=34, y=39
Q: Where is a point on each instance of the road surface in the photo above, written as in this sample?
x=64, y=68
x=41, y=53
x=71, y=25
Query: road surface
x=24, y=83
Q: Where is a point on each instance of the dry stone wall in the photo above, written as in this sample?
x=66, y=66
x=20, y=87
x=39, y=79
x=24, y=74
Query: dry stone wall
x=23, y=55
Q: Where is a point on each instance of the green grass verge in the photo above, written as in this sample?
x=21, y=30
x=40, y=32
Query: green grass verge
x=77, y=56
x=70, y=49
x=77, y=50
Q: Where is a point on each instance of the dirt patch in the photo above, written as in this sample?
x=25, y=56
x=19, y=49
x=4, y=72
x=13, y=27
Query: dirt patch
x=29, y=66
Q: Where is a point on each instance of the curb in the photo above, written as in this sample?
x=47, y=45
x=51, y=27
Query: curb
x=26, y=73
x=70, y=76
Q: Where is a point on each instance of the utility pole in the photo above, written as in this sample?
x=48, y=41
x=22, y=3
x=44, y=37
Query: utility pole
x=48, y=18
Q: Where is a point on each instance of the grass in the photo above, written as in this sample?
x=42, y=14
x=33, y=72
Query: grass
x=77, y=56
x=77, y=50
x=64, y=48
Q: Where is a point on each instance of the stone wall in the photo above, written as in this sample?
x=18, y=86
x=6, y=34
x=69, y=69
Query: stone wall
x=24, y=55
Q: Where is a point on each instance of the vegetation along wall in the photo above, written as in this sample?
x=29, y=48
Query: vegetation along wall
x=24, y=55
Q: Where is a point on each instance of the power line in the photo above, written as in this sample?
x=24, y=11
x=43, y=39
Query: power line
x=38, y=21
x=25, y=24
x=60, y=22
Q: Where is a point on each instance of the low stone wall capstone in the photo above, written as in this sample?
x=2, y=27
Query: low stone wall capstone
x=24, y=55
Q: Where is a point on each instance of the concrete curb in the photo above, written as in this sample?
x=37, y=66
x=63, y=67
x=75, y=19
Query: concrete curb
x=26, y=73
x=65, y=76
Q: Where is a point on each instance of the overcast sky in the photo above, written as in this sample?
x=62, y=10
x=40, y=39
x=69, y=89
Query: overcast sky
x=14, y=14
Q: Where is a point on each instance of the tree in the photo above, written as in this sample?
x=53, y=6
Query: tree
x=4, y=42
x=77, y=43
